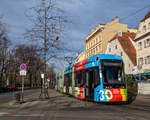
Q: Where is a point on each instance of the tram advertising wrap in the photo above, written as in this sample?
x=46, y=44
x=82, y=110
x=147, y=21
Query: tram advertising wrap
x=100, y=78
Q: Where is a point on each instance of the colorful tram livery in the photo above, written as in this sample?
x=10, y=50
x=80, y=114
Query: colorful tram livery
x=99, y=78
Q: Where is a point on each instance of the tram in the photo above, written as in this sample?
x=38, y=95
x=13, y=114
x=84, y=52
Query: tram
x=100, y=78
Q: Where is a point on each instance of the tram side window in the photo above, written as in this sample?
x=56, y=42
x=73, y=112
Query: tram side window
x=96, y=77
x=65, y=79
x=68, y=79
x=78, y=78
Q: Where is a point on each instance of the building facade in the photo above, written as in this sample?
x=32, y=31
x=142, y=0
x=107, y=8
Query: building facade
x=81, y=56
x=121, y=44
x=142, y=41
x=97, y=40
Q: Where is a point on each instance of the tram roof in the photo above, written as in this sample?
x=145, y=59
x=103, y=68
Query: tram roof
x=100, y=57
x=91, y=62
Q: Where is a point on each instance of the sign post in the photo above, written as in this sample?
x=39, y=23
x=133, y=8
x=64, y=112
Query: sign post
x=23, y=73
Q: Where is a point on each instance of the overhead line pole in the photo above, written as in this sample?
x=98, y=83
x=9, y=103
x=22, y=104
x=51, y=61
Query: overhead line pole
x=43, y=91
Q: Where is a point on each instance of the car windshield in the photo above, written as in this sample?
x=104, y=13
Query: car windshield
x=112, y=71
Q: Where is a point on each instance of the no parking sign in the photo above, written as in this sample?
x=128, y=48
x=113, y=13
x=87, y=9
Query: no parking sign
x=23, y=67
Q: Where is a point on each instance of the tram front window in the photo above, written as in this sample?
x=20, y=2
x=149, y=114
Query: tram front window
x=112, y=71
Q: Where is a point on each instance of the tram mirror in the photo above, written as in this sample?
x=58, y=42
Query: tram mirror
x=97, y=58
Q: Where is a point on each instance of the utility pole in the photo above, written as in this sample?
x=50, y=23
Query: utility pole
x=43, y=91
x=49, y=21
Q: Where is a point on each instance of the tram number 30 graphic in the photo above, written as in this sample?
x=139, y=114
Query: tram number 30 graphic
x=108, y=94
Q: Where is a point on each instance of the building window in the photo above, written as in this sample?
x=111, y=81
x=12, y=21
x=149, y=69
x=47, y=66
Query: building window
x=121, y=54
x=144, y=28
x=109, y=49
x=100, y=47
x=148, y=60
x=148, y=43
x=140, y=46
x=116, y=47
x=100, y=38
x=96, y=48
x=144, y=43
x=140, y=61
x=149, y=25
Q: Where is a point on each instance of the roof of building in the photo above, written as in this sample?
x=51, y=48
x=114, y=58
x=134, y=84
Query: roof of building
x=127, y=45
x=102, y=24
x=146, y=16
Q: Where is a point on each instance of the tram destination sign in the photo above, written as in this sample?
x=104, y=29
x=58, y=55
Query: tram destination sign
x=111, y=64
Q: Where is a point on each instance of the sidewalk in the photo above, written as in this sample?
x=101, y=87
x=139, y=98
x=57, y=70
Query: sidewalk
x=55, y=98
x=143, y=98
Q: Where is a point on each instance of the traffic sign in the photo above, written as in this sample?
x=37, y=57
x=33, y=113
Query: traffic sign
x=23, y=67
x=42, y=76
x=23, y=72
x=48, y=79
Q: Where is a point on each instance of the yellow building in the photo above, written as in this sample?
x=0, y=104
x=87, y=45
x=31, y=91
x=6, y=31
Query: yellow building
x=81, y=56
x=97, y=40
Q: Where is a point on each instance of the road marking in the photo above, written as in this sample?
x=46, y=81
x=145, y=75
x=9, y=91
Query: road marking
x=20, y=115
x=31, y=115
x=3, y=113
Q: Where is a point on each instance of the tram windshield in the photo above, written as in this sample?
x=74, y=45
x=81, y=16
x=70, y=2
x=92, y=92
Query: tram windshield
x=112, y=71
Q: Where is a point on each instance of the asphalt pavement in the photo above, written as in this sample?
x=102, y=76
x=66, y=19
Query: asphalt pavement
x=64, y=107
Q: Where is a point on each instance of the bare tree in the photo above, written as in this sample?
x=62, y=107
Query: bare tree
x=4, y=44
x=30, y=55
x=48, y=23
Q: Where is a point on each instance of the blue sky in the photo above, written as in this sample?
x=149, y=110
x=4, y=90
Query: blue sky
x=84, y=14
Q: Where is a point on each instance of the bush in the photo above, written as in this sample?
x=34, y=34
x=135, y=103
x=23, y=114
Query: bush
x=129, y=81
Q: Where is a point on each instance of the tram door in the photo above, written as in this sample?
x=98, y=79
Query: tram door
x=89, y=94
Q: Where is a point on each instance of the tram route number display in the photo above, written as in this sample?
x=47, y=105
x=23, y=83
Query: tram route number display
x=108, y=94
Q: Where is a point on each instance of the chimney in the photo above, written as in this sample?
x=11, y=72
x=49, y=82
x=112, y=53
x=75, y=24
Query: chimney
x=117, y=17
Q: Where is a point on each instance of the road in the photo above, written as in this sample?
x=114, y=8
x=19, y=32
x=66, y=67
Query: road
x=63, y=107
x=9, y=96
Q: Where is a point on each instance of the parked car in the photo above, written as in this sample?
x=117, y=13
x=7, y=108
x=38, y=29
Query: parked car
x=11, y=88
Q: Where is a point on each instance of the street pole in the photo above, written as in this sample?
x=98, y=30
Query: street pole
x=43, y=95
x=22, y=88
x=43, y=91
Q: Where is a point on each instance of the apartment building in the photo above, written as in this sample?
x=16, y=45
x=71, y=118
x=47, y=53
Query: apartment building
x=97, y=40
x=122, y=44
x=81, y=56
x=142, y=41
